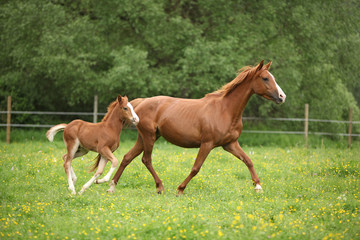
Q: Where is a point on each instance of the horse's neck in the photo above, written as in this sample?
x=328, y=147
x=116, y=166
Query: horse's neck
x=114, y=121
x=237, y=99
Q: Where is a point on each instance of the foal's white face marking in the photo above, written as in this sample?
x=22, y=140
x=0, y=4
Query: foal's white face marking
x=135, y=116
x=282, y=95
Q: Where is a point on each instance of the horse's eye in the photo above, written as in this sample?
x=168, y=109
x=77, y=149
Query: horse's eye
x=265, y=79
x=125, y=108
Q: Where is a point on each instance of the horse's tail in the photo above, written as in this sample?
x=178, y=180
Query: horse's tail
x=96, y=164
x=54, y=130
x=136, y=102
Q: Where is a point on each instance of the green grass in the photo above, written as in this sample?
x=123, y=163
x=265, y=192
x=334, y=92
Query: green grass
x=308, y=193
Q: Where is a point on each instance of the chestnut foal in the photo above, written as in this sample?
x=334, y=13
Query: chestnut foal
x=80, y=137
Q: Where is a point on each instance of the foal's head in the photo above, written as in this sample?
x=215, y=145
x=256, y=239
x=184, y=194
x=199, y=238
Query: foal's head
x=127, y=112
x=264, y=84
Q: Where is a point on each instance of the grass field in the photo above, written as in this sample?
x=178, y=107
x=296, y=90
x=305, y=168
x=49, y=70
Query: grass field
x=308, y=193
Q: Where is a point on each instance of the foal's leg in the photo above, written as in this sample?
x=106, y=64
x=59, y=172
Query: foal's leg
x=99, y=171
x=235, y=149
x=204, y=151
x=80, y=152
x=133, y=153
x=107, y=153
x=72, y=146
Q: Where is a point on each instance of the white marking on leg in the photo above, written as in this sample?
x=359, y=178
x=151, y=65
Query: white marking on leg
x=88, y=184
x=107, y=176
x=71, y=184
x=112, y=187
x=73, y=176
x=69, y=170
x=99, y=171
x=135, y=116
x=258, y=188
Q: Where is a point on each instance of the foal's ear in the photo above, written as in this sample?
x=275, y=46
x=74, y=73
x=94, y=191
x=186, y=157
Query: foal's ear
x=119, y=98
x=267, y=66
x=261, y=64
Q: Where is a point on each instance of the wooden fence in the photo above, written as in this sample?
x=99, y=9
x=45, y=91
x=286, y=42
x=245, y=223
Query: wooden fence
x=95, y=114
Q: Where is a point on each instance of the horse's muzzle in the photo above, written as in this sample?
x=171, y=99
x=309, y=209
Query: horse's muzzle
x=135, y=121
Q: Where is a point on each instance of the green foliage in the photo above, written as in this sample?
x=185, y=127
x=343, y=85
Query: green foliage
x=57, y=55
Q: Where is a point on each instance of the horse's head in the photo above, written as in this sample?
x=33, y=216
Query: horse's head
x=127, y=111
x=264, y=84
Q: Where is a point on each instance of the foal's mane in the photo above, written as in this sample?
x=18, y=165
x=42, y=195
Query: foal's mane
x=243, y=73
x=110, y=108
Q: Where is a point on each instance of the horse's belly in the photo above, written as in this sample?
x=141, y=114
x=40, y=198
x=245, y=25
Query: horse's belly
x=186, y=139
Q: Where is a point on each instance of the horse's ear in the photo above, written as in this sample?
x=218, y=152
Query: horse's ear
x=267, y=66
x=119, y=98
x=261, y=64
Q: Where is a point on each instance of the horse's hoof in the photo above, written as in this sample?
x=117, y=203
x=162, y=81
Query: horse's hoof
x=160, y=190
x=110, y=190
x=258, y=188
x=180, y=193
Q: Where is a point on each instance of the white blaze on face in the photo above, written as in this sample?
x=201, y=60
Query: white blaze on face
x=282, y=95
x=135, y=116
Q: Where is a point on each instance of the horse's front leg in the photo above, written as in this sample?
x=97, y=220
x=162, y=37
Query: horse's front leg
x=106, y=152
x=204, y=151
x=99, y=171
x=235, y=149
x=133, y=153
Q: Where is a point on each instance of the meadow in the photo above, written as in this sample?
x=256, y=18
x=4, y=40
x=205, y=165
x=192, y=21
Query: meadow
x=308, y=193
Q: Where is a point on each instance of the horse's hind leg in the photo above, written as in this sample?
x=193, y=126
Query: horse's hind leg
x=72, y=146
x=80, y=152
x=133, y=153
x=99, y=171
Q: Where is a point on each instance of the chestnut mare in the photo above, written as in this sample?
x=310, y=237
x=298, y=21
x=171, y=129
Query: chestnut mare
x=212, y=121
x=80, y=137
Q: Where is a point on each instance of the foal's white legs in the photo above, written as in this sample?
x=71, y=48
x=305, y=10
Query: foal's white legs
x=107, y=176
x=73, y=176
x=73, y=151
x=114, y=162
x=99, y=171
x=106, y=155
x=68, y=157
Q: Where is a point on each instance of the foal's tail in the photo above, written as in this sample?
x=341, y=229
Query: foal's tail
x=96, y=164
x=54, y=130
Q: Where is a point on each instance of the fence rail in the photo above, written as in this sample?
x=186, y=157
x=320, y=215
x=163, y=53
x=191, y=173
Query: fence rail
x=95, y=114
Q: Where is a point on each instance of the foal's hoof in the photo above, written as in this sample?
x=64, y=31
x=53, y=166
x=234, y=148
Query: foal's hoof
x=112, y=187
x=110, y=190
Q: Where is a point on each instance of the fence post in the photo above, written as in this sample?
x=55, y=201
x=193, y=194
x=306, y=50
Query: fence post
x=8, y=120
x=350, y=127
x=306, y=127
x=95, y=109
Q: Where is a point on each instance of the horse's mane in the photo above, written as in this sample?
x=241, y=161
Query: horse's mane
x=110, y=108
x=243, y=73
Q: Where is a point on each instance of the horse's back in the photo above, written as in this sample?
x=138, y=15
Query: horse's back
x=178, y=120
